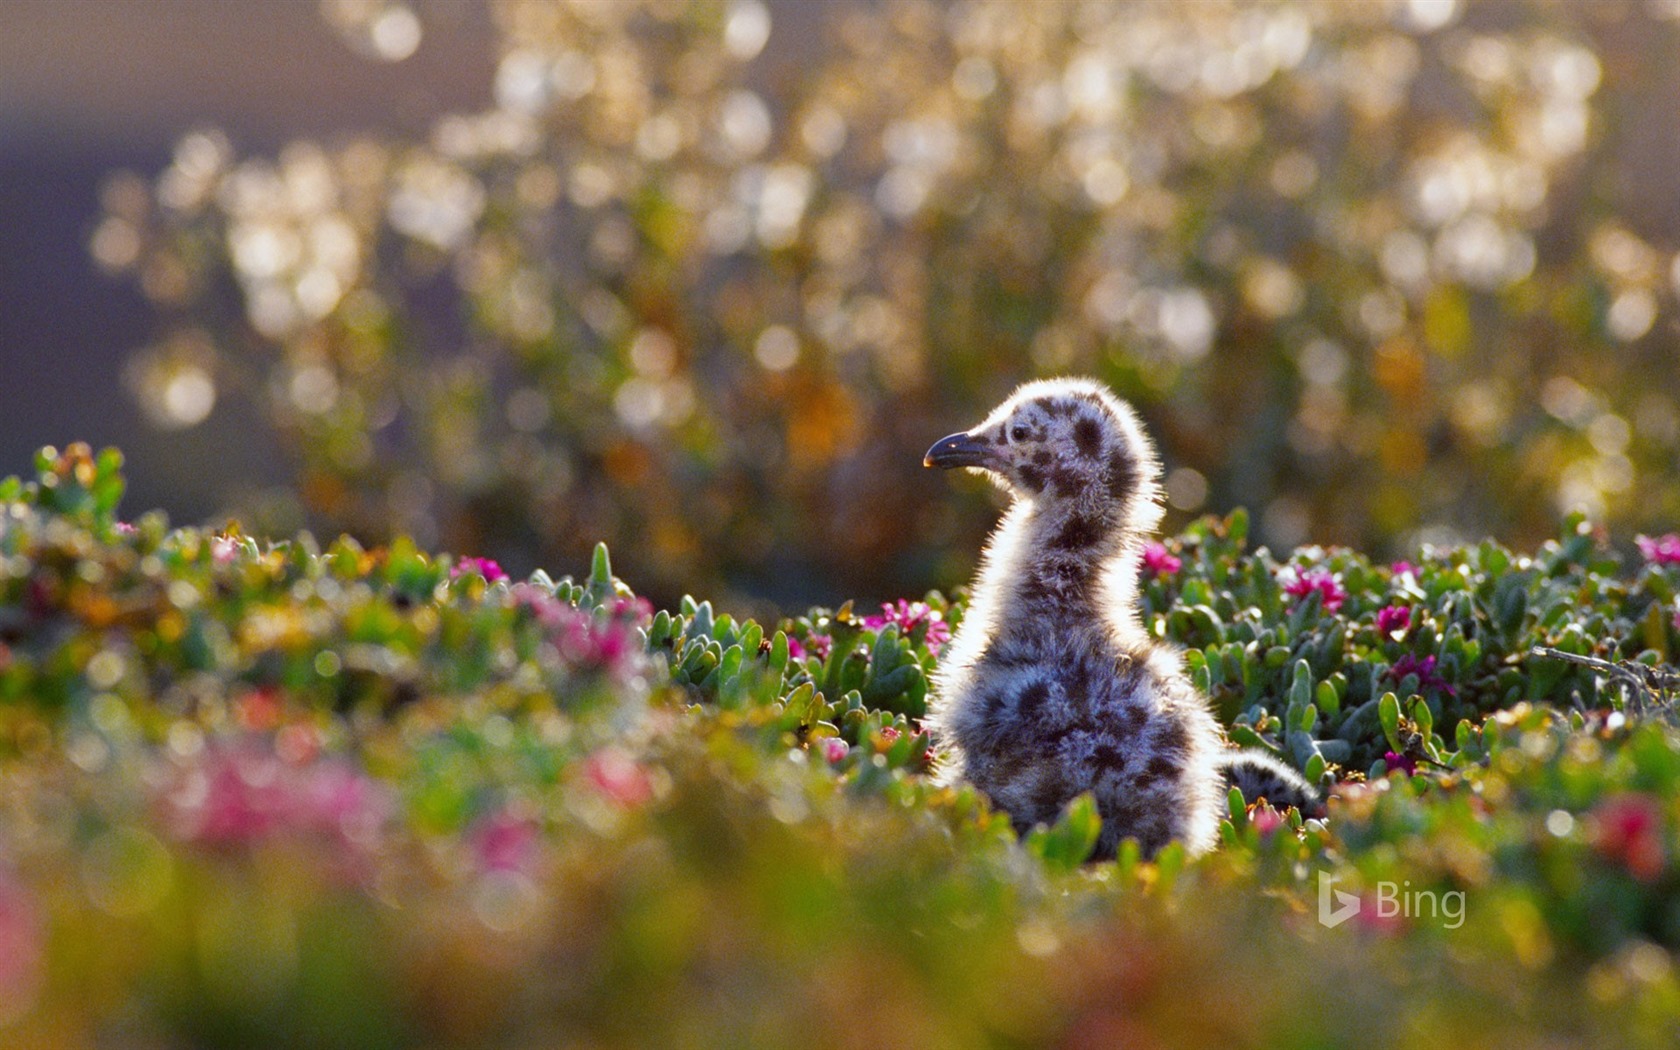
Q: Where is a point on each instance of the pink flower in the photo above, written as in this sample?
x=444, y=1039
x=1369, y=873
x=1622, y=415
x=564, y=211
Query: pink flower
x=1374, y=917
x=1425, y=671
x=1393, y=619
x=484, y=567
x=634, y=610
x=834, y=750
x=1403, y=568
x=1319, y=581
x=616, y=777
x=584, y=639
x=820, y=645
x=241, y=795
x=224, y=549
x=889, y=735
x=908, y=616
x=1663, y=550
x=1265, y=819
x=1394, y=760
x=123, y=528
x=1159, y=561
x=506, y=842
x=1628, y=829
x=22, y=950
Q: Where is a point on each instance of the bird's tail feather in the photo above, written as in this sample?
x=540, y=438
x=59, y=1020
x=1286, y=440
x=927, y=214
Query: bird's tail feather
x=1259, y=775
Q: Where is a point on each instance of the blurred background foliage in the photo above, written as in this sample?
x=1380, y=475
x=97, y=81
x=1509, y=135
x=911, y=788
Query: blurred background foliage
x=1385, y=272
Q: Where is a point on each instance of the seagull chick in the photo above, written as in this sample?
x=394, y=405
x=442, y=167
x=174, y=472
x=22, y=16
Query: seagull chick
x=1050, y=686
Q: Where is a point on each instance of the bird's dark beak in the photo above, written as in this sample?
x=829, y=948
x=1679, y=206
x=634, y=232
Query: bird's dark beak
x=958, y=450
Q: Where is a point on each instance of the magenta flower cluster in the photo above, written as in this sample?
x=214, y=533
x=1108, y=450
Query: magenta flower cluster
x=1321, y=582
x=224, y=549
x=242, y=793
x=834, y=750
x=1394, y=760
x=1424, y=669
x=586, y=640
x=815, y=644
x=23, y=936
x=1628, y=829
x=1660, y=550
x=506, y=841
x=485, y=567
x=907, y=616
x=1393, y=620
x=617, y=777
x=1158, y=561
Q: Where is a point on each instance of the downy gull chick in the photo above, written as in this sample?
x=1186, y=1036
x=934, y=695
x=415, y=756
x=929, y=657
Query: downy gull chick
x=1050, y=686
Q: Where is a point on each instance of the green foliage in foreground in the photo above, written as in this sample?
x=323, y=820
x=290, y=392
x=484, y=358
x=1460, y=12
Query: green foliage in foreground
x=268, y=795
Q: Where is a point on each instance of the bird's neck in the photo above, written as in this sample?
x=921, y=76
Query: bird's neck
x=1073, y=560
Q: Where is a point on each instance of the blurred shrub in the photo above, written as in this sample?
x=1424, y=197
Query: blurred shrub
x=265, y=795
x=1364, y=266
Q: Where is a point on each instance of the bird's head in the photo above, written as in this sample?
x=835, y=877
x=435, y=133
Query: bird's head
x=1063, y=440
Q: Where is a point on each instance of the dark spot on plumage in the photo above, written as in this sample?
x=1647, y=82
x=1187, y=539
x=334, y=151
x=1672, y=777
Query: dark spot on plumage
x=1005, y=761
x=1046, y=583
x=1078, y=687
x=1032, y=479
x=1068, y=482
x=981, y=439
x=1034, y=589
x=1162, y=766
x=1107, y=756
x=1006, y=657
x=1172, y=737
x=1048, y=796
x=1131, y=718
x=1079, y=532
x=1053, y=739
x=1122, y=475
x=1087, y=434
x=1032, y=699
x=1042, y=457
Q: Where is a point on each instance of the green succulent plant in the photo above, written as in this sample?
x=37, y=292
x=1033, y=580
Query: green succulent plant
x=274, y=794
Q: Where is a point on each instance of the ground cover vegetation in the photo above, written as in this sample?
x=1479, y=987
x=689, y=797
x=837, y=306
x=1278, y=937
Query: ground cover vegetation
x=277, y=794
x=1395, y=275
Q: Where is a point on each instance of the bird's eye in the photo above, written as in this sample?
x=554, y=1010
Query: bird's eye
x=1019, y=433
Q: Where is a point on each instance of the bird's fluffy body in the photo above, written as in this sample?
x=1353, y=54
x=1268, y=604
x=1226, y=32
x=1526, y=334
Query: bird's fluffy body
x=1050, y=686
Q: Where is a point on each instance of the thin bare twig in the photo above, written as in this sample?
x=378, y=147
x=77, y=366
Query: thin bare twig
x=1649, y=687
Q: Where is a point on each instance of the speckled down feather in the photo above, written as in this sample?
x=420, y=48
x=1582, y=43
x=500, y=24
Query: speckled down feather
x=1050, y=686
